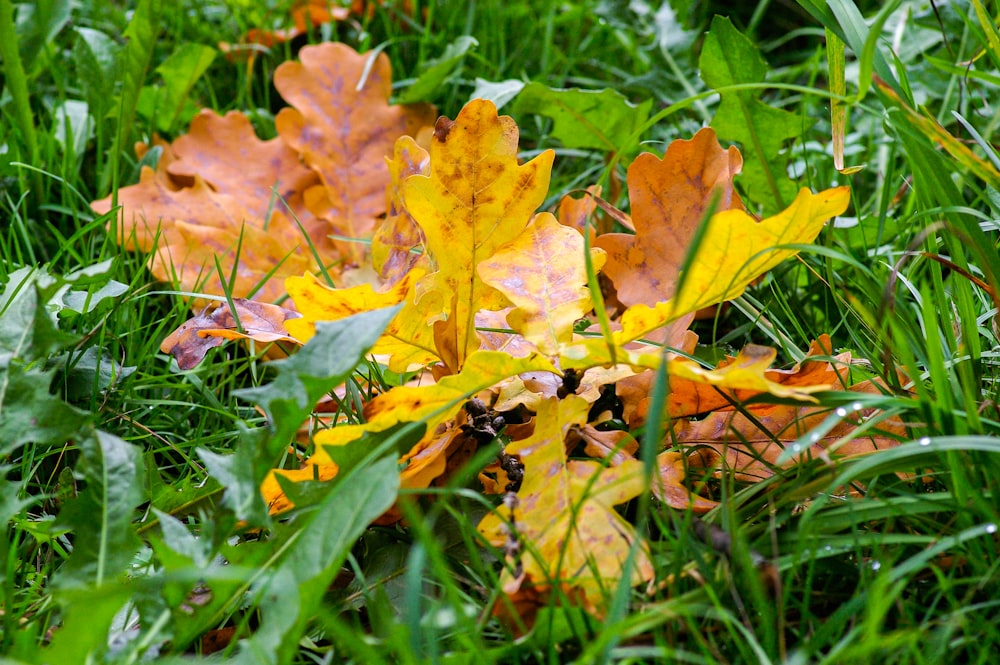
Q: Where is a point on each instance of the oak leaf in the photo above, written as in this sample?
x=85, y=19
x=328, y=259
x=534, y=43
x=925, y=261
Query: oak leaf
x=749, y=442
x=434, y=405
x=398, y=238
x=543, y=273
x=565, y=518
x=735, y=249
x=246, y=319
x=669, y=198
x=476, y=199
x=342, y=125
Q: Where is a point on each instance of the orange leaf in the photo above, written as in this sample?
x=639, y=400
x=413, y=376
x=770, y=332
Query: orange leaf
x=475, y=200
x=669, y=485
x=565, y=518
x=749, y=443
x=343, y=126
x=542, y=272
x=669, y=198
x=262, y=175
x=259, y=321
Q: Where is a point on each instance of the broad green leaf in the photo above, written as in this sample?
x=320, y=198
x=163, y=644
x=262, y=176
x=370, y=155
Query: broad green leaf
x=38, y=23
x=730, y=58
x=498, y=92
x=27, y=330
x=438, y=71
x=312, y=549
x=29, y=413
x=88, y=615
x=101, y=515
x=602, y=119
x=180, y=72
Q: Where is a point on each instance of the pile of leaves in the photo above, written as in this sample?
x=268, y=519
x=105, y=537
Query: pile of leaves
x=519, y=330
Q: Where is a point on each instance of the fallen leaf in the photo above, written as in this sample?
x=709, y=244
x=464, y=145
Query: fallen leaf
x=543, y=273
x=669, y=486
x=748, y=442
x=735, y=249
x=264, y=176
x=342, y=125
x=476, y=199
x=565, y=519
x=306, y=15
x=217, y=323
x=687, y=397
x=669, y=198
x=398, y=237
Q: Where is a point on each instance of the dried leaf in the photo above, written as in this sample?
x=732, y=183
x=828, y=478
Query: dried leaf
x=570, y=533
x=669, y=198
x=749, y=442
x=475, y=200
x=342, y=125
x=543, y=273
x=264, y=176
x=257, y=321
x=735, y=250
x=397, y=237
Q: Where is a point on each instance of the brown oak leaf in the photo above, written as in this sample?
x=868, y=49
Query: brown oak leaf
x=343, y=127
x=669, y=197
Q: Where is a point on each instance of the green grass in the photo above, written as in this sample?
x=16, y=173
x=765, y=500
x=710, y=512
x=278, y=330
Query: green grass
x=130, y=508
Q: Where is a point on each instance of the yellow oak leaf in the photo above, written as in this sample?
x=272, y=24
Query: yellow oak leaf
x=734, y=251
x=397, y=236
x=342, y=125
x=482, y=370
x=475, y=200
x=432, y=404
x=565, y=520
x=318, y=302
x=543, y=273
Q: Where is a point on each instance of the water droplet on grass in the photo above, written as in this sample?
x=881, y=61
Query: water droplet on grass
x=991, y=528
x=841, y=411
x=925, y=441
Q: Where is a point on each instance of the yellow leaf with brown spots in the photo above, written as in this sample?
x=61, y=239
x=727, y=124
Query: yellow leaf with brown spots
x=565, y=519
x=397, y=238
x=476, y=199
x=543, y=273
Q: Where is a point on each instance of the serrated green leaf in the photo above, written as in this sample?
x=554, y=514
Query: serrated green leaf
x=438, y=71
x=29, y=413
x=730, y=58
x=27, y=331
x=602, y=119
x=241, y=473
